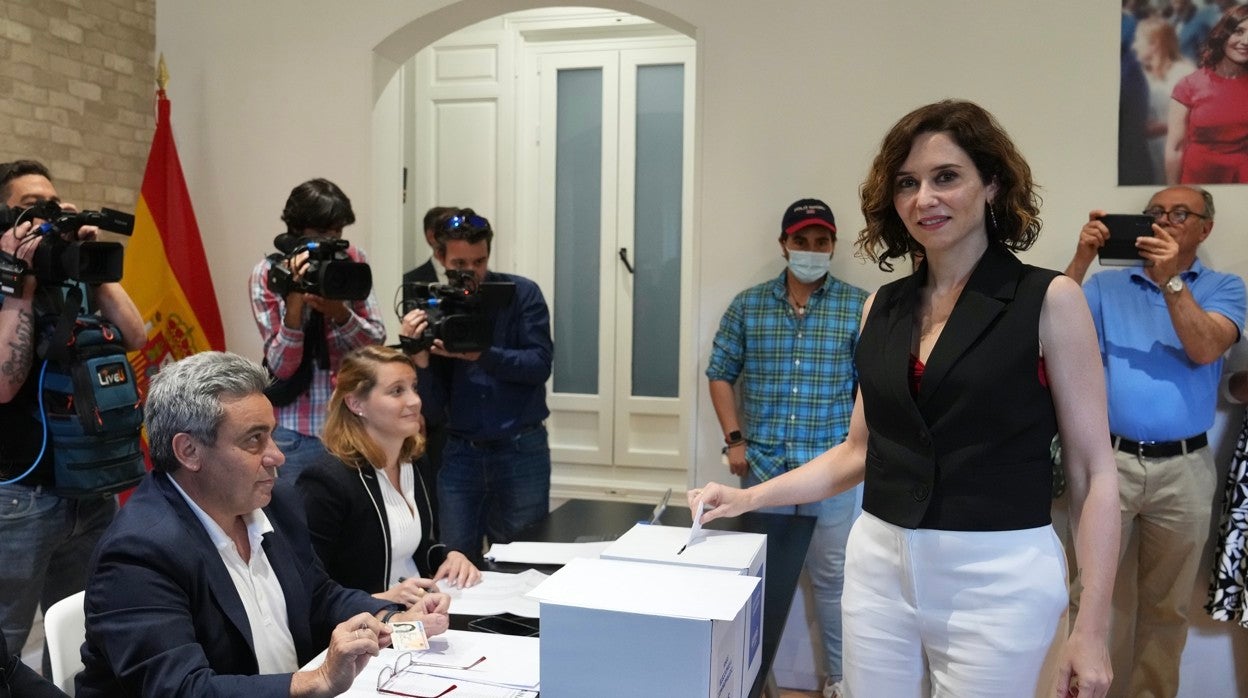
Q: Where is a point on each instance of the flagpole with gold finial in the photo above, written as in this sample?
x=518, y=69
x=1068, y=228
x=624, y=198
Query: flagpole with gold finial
x=162, y=75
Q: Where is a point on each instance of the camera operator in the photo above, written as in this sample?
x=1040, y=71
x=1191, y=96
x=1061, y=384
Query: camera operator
x=495, y=476
x=302, y=327
x=46, y=538
x=431, y=272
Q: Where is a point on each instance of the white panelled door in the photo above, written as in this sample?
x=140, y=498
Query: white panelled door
x=614, y=150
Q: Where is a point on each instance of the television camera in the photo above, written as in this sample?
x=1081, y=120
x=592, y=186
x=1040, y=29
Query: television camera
x=331, y=273
x=460, y=311
x=60, y=255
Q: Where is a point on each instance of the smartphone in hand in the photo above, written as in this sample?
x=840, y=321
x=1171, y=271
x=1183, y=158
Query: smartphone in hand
x=1124, y=228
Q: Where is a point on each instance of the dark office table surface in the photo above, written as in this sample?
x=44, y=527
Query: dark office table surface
x=788, y=537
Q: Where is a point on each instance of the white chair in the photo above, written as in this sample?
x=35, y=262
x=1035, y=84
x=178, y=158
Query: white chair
x=64, y=629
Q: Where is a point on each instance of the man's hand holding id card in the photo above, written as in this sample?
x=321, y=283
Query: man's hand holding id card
x=408, y=635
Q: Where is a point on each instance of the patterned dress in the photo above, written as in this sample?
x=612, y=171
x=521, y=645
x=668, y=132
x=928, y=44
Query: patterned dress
x=1227, y=600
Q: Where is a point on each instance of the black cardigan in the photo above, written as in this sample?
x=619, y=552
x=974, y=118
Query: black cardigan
x=349, y=529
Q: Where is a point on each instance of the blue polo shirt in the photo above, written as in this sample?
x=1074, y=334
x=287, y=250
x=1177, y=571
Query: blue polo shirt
x=1156, y=393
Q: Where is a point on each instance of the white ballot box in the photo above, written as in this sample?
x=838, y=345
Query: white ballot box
x=731, y=551
x=613, y=628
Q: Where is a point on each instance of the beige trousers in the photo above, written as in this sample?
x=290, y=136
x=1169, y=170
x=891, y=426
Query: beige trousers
x=1167, y=505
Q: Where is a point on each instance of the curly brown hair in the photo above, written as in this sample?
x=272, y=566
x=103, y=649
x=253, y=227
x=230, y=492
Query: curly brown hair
x=1214, y=49
x=344, y=434
x=1015, y=209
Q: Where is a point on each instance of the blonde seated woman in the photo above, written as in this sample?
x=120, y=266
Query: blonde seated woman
x=368, y=510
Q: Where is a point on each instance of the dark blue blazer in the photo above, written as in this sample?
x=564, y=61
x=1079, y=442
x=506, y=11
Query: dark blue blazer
x=164, y=618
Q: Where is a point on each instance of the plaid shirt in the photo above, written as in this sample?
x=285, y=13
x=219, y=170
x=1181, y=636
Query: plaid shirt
x=797, y=373
x=283, y=347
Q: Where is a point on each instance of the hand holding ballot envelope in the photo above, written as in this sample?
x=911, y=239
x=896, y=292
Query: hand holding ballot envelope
x=695, y=531
x=716, y=501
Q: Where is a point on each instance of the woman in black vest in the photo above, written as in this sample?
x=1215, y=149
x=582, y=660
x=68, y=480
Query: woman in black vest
x=368, y=509
x=955, y=582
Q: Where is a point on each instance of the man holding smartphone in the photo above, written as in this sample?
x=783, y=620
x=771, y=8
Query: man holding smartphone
x=1163, y=329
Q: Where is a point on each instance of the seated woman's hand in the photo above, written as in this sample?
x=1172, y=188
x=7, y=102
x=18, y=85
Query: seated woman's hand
x=409, y=591
x=434, y=603
x=458, y=571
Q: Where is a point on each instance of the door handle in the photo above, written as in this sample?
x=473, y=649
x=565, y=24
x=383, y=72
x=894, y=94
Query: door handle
x=624, y=259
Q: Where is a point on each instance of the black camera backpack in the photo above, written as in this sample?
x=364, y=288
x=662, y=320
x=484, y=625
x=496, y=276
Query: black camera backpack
x=89, y=404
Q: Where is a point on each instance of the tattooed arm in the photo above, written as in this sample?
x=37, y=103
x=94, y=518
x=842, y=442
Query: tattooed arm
x=17, y=318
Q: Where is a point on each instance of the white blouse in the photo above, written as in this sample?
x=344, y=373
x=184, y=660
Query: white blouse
x=404, y=519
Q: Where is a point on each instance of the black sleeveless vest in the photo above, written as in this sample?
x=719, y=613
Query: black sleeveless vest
x=971, y=452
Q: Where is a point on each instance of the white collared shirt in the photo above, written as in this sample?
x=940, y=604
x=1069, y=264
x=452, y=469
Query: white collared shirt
x=257, y=586
x=438, y=269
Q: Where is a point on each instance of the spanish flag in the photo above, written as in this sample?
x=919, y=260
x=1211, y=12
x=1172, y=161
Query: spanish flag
x=166, y=273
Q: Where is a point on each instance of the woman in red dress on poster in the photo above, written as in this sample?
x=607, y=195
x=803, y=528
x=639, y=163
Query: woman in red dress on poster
x=1207, y=141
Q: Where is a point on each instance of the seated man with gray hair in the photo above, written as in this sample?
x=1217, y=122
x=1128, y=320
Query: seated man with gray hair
x=206, y=583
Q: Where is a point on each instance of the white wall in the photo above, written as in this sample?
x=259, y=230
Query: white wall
x=794, y=96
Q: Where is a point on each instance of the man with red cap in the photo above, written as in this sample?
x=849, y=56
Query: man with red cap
x=788, y=343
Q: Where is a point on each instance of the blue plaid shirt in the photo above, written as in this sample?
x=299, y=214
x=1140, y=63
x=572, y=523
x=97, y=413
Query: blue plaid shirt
x=797, y=372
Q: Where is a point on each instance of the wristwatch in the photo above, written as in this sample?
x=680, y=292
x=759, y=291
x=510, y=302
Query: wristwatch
x=1174, y=284
x=733, y=438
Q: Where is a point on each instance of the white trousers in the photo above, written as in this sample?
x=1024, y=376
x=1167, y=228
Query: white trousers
x=952, y=613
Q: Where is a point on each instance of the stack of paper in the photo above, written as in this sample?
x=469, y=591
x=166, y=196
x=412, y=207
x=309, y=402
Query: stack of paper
x=498, y=592
x=531, y=553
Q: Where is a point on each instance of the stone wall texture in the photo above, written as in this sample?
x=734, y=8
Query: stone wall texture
x=77, y=92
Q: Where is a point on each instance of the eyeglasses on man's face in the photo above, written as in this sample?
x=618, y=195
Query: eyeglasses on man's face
x=1177, y=216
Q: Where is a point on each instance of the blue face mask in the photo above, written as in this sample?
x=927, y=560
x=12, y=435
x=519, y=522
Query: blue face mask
x=808, y=267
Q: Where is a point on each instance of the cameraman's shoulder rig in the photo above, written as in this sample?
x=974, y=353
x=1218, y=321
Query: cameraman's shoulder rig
x=89, y=403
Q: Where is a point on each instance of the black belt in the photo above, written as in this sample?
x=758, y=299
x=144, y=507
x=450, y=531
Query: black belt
x=1161, y=449
x=500, y=441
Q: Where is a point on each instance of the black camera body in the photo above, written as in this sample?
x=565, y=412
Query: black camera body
x=331, y=273
x=460, y=311
x=60, y=255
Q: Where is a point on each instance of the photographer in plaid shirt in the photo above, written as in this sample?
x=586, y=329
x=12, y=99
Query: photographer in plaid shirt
x=789, y=344
x=303, y=327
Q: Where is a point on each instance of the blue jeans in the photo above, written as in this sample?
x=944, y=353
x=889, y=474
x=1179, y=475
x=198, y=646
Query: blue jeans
x=825, y=561
x=492, y=489
x=45, y=545
x=300, y=450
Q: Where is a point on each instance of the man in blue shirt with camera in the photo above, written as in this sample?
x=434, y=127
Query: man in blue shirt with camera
x=495, y=475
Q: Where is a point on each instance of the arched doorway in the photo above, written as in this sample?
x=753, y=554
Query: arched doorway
x=572, y=130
